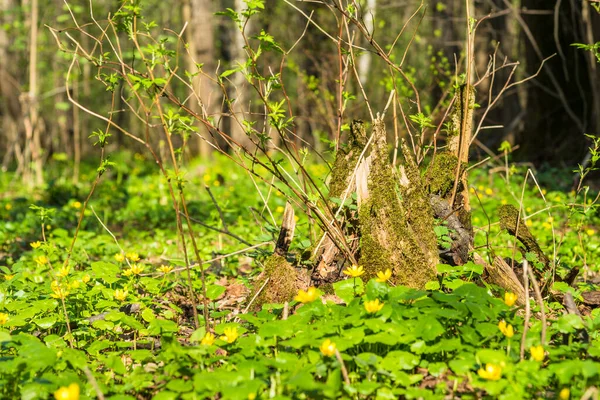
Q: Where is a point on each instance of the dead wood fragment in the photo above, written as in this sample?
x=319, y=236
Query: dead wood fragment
x=462, y=238
x=286, y=233
x=501, y=274
x=509, y=216
x=329, y=259
x=591, y=298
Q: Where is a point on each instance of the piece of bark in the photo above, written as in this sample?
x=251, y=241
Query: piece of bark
x=286, y=234
x=462, y=238
x=509, y=216
x=501, y=274
x=591, y=298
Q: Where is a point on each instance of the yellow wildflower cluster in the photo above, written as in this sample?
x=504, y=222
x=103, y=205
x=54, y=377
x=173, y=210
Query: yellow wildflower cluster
x=384, y=276
x=58, y=292
x=41, y=260
x=3, y=318
x=230, y=335
x=309, y=296
x=208, y=339
x=373, y=306
x=328, y=348
x=510, y=299
x=70, y=392
x=132, y=256
x=537, y=353
x=165, y=269
x=121, y=294
x=135, y=269
x=119, y=257
x=63, y=271
x=506, y=329
x=491, y=372
x=354, y=271
x=35, y=245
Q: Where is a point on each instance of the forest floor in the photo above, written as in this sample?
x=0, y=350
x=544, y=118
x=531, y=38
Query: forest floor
x=118, y=321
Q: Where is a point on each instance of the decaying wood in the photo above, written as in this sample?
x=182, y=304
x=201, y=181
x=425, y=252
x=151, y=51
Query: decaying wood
x=501, y=274
x=462, y=238
x=591, y=298
x=286, y=233
x=509, y=216
x=396, y=233
x=329, y=259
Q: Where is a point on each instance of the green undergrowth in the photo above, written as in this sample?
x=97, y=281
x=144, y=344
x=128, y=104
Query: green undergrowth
x=130, y=332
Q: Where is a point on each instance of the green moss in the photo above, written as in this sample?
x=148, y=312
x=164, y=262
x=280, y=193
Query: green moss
x=282, y=285
x=441, y=174
x=388, y=238
x=346, y=159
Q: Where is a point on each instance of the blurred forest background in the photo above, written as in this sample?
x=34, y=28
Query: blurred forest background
x=544, y=118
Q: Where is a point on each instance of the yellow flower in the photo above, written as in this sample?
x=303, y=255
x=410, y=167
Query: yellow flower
x=354, y=271
x=8, y=277
x=165, y=269
x=8, y=206
x=279, y=209
x=128, y=272
x=537, y=353
x=35, y=245
x=86, y=278
x=133, y=256
x=327, y=348
x=230, y=334
x=510, y=299
x=491, y=372
x=506, y=329
x=119, y=257
x=384, y=276
x=63, y=271
x=121, y=294
x=373, y=306
x=528, y=209
x=546, y=225
x=77, y=205
x=3, y=318
x=564, y=394
x=307, y=297
x=41, y=260
x=528, y=222
x=70, y=392
x=503, y=201
x=472, y=190
x=590, y=232
x=544, y=192
x=489, y=191
x=74, y=285
x=208, y=339
x=137, y=269
x=57, y=291
x=217, y=183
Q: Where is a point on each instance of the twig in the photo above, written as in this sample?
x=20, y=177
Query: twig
x=256, y=295
x=538, y=296
x=527, y=308
x=93, y=382
x=342, y=366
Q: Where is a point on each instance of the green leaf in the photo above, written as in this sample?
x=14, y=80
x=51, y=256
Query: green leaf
x=46, y=323
x=348, y=289
x=106, y=271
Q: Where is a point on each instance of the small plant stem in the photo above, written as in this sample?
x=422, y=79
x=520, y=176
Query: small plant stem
x=527, y=308
x=338, y=356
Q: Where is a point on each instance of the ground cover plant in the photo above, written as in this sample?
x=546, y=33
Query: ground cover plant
x=363, y=265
